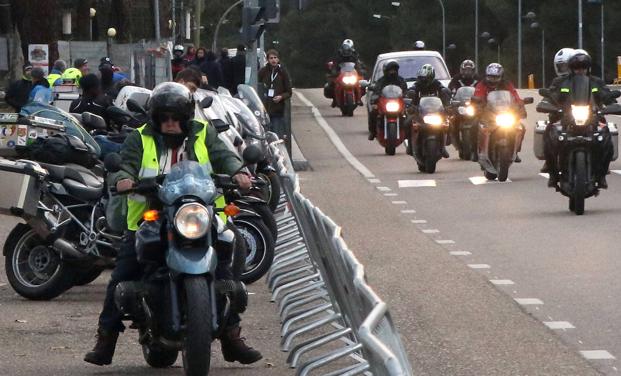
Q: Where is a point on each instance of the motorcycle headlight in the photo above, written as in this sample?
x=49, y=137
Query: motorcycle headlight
x=470, y=111
x=581, y=114
x=433, y=119
x=393, y=106
x=350, y=80
x=192, y=220
x=505, y=120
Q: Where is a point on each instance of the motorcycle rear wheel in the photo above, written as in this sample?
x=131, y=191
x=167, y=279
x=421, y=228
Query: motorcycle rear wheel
x=196, y=352
x=260, y=248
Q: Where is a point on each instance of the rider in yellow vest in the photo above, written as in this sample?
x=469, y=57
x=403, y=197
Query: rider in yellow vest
x=80, y=68
x=151, y=150
x=54, y=78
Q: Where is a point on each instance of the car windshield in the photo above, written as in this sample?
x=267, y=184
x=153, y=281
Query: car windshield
x=499, y=100
x=188, y=178
x=464, y=93
x=409, y=66
x=392, y=91
x=430, y=105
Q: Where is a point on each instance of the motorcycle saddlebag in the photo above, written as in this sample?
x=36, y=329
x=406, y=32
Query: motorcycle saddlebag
x=614, y=133
x=538, y=140
x=20, y=185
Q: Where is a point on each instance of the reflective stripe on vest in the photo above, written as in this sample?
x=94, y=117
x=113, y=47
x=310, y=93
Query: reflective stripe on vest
x=564, y=90
x=52, y=78
x=137, y=204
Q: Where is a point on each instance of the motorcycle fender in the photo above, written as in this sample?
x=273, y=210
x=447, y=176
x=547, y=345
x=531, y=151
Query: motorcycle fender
x=193, y=261
x=58, y=189
x=245, y=213
x=249, y=200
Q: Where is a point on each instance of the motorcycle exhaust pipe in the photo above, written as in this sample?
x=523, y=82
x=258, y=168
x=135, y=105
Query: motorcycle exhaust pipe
x=67, y=249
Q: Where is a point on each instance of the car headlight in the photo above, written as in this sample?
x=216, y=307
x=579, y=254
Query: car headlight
x=433, y=119
x=350, y=80
x=393, y=106
x=192, y=220
x=581, y=114
x=505, y=120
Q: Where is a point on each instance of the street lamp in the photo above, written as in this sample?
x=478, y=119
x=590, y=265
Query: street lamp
x=92, y=13
x=491, y=41
x=380, y=16
x=528, y=16
x=536, y=25
x=111, y=34
x=443, y=29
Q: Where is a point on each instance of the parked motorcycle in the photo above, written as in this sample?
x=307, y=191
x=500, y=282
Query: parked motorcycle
x=578, y=140
x=500, y=134
x=429, y=132
x=463, y=124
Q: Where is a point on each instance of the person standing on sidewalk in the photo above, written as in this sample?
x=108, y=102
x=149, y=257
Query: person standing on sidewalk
x=277, y=90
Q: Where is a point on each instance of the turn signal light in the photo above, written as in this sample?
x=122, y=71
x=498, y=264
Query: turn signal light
x=151, y=215
x=231, y=210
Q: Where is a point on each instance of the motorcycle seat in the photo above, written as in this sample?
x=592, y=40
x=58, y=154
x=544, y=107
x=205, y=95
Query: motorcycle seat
x=78, y=180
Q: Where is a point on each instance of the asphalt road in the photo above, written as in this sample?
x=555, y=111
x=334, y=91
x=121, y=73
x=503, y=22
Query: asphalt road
x=433, y=252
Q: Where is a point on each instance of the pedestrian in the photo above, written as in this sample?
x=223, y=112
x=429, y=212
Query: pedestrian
x=238, y=68
x=212, y=70
x=54, y=78
x=227, y=68
x=40, y=91
x=200, y=58
x=190, y=55
x=18, y=92
x=277, y=90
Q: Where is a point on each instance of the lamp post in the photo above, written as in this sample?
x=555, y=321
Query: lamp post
x=579, y=23
x=92, y=13
x=111, y=34
x=220, y=22
x=443, y=29
x=528, y=16
x=476, y=34
x=536, y=25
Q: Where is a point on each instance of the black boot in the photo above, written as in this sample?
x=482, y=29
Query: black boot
x=103, y=351
x=602, y=183
x=553, y=180
x=235, y=349
x=518, y=159
x=545, y=168
x=333, y=103
x=371, y=136
x=445, y=153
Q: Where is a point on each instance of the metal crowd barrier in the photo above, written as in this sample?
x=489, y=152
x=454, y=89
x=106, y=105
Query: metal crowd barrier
x=326, y=307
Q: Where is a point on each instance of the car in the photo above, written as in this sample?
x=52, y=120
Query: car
x=409, y=64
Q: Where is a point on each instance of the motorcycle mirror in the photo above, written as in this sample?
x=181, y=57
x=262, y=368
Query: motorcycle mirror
x=546, y=107
x=252, y=155
x=115, y=112
x=93, y=121
x=544, y=92
x=220, y=125
x=237, y=141
x=612, y=109
x=329, y=65
x=113, y=162
x=364, y=84
x=206, y=102
x=528, y=100
x=134, y=106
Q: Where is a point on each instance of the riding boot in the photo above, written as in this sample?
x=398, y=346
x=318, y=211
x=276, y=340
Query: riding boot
x=235, y=349
x=103, y=351
x=545, y=168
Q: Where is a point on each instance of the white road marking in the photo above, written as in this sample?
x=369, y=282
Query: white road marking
x=374, y=181
x=408, y=211
x=399, y=203
x=502, y=282
x=545, y=175
x=418, y=221
x=597, y=355
x=460, y=253
x=383, y=189
x=479, y=266
x=334, y=138
x=480, y=180
x=390, y=194
x=416, y=183
x=529, y=301
x=431, y=231
x=618, y=172
x=559, y=325
x=445, y=241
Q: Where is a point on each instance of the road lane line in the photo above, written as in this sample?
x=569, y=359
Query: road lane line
x=418, y=221
x=390, y=194
x=417, y=183
x=431, y=231
x=383, y=189
x=445, y=241
x=481, y=180
x=460, y=253
x=618, y=172
x=528, y=301
x=399, y=203
x=597, y=355
x=502, y=282
x=374, y=181
x=544, y=175
x=559, y=325
x=479, y=266
x=334, y=138
x=408, y=211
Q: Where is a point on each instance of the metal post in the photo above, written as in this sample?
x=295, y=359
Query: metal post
x=476, y=34
x=443, y=30
x=519, y=62
x=173, y=5
x=90, y=28
x=156, y=16
x=251, y=53
x=214, y=45
x=543, y=57
x=197, y=22
x=603, y=43
x=579, y=23
x=498, y=46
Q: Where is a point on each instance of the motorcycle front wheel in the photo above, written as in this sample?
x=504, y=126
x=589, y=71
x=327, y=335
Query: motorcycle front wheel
x=391, y=140
x=196, y=352
x=505, y=157
x=260, y=248
x=158, y=357
x=580, y=179
x=431, y=147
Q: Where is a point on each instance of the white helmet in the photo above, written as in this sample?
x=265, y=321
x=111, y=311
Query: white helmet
x=581, y=51
x=561, y=61
x=178, y=48
x=419, y=45
x=349, y=43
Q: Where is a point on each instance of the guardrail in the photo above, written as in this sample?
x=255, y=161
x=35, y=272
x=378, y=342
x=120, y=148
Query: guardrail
x=324, y=301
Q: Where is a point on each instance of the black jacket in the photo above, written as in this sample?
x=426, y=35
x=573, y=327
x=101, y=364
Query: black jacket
x=97, y=105
x=434, y=89
x=211, y=69
x=238, y=72
x=18, y=93
x=388, y=80
x=602, y=96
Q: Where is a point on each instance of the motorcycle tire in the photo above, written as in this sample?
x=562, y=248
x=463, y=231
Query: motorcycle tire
x=391, y=140
x=580, y=180
x=421, y=167
x=158, y=357
x=260, y=248
x=84, y=277
x=431, y=147
x=46, y=260
x=275, y=189
x=268, y=218
x=489, y=175
x=196, y=351
x=505, y=157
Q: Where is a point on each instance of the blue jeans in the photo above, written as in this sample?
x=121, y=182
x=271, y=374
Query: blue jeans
x=278, y=125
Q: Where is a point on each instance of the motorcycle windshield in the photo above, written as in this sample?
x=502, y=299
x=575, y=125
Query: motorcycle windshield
x=464, y=93
x=250, y=124
x=430, y=105
x=188, y=178
x=72, y=125
x=251, y=99
x=580, y=90
x=347, y=67
x=216, y=110
x=392, y=92
x=499, y=100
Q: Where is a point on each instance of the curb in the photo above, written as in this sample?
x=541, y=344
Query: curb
x=298, y=160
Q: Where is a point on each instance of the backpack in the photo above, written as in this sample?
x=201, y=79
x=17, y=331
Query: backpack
x=61, y=149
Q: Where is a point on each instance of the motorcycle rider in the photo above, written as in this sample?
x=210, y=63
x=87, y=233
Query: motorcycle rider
x=427, y=85
x=580, y=65
x=170, y=136
x=390, y=77
x=494, y=80
x=345, y=54
x=466, y=76
x=177, y=62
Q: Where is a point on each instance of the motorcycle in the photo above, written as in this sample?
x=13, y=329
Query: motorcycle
x=347, y=90
x=390, y=108
x=578, y=140
x=463, y=125
x=500, y=134
x=178, y=304
x=428, y=136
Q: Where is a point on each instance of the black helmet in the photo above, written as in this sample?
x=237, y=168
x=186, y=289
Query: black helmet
x=390, y=65
x=580, y=60
x=467, y=68
x=172, y=98
x=426, y=74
